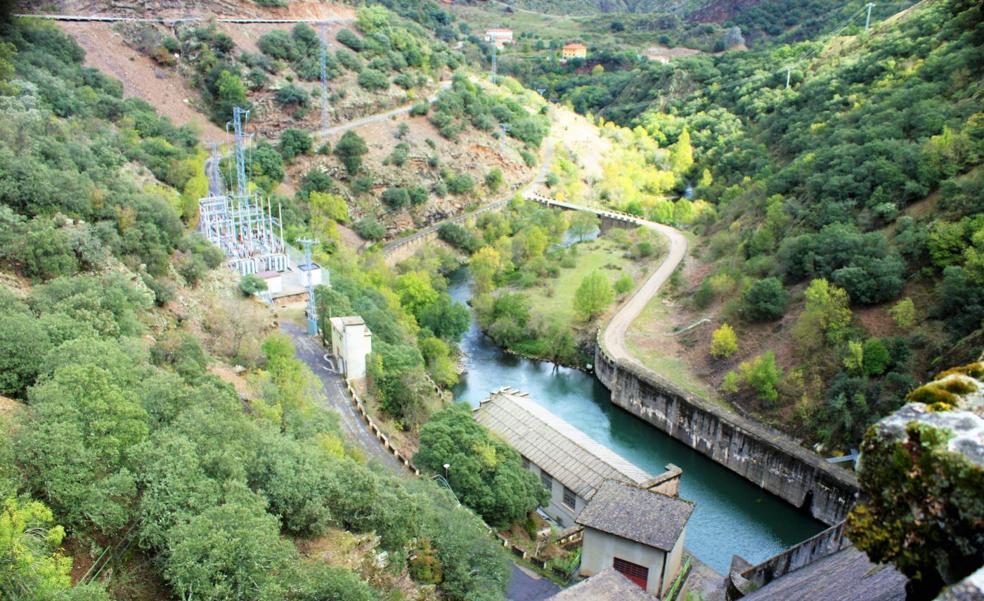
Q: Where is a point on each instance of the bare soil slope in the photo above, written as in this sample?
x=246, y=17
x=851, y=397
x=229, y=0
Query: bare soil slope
x=141, y=78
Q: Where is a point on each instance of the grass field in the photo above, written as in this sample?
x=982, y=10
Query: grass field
x=651, y=340
x=556, y=296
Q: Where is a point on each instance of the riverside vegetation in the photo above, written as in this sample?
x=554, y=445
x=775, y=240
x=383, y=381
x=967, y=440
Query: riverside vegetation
x=840, y=221
x=122, y=445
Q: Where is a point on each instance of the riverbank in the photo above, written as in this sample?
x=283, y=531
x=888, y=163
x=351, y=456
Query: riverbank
x=732, y=515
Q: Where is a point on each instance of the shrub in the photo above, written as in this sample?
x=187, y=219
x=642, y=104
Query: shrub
x=295, y=142
x=277, y=44
x=371, y=79
x=350, y=39
x=494, y=180
x=593, y=295
x=291, y=95
x=765, y=300
x=369, y=229
x=420, y=109
x=724, y=342
x=396, y=198
x=461, y=183
x=350, y=150
x=904, y=313
x=623, y=285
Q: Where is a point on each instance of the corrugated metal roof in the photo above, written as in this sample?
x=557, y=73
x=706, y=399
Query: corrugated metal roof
x=570, y=456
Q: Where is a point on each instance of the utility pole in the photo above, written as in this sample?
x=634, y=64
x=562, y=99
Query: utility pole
x=867, y=21
x=312, y=312
x=324, y=81
x=788, y=71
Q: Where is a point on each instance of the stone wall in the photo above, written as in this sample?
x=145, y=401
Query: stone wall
x=763, y=456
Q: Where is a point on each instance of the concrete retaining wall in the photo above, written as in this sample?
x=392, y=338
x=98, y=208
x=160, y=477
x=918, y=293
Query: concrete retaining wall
x=763, y=456
x=828, y=542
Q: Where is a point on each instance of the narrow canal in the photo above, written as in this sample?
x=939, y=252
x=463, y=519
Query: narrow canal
x=732, y=516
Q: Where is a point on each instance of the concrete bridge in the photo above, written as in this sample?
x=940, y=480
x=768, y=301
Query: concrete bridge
x=608, y=217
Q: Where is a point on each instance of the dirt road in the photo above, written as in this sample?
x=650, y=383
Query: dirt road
x=614, y=333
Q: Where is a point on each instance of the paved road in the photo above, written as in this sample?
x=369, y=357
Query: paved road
x=529, y=586
x=525, y=585
x=312, y=353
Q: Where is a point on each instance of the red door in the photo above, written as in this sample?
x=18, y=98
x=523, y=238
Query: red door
x=633, y=571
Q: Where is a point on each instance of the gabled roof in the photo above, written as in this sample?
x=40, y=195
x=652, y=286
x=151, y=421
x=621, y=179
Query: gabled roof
x=636, y=514
x=606, y=585
x=555, y=446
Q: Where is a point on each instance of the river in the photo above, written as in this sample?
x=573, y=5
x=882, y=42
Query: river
x=732, y=516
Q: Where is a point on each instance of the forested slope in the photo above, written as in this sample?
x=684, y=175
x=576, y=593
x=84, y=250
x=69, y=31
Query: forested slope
x=122, y=452
x=846, y=241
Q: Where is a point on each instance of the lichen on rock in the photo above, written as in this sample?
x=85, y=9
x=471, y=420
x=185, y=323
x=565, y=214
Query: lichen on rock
x=921, y=476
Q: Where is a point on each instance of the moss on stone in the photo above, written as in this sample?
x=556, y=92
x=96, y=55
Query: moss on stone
x=931, y=394
x=959, y=386
x=974, y=370
x=920, y=506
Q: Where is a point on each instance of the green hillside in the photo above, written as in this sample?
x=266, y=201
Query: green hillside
x=130, y=466
x=863, y=174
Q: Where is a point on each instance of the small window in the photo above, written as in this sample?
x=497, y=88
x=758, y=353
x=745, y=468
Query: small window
x=569, y=498
x=547, y=481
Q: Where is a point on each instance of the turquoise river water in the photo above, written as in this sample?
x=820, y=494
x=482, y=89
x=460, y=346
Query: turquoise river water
x=732, y=516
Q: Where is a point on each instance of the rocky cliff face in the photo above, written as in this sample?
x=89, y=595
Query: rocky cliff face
x=921, y=475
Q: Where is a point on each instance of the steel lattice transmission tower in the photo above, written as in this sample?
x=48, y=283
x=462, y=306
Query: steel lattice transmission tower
x=312, y=311
x=238, y=116
x=324, y=80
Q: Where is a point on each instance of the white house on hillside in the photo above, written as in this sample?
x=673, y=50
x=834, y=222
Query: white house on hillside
x=351, y=341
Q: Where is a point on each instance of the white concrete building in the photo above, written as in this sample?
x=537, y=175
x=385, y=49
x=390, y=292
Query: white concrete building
x=637, y=532
x=274, y=281
x=351, y=341
x=499, y=37
x=314, y=268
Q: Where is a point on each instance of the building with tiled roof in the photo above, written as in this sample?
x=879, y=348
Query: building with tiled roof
x=574, y=50
x=637, y=531
x=570, y=464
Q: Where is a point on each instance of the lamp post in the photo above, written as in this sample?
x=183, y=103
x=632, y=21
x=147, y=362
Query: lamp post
x=447, y=466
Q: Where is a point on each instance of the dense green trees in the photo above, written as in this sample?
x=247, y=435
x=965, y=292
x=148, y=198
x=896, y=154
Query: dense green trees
x=485, y=474
x=130, y=440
